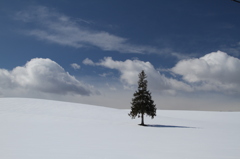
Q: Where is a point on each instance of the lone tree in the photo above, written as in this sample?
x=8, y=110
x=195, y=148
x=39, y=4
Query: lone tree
x=142, y=102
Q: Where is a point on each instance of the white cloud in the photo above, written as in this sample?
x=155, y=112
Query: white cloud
x=75, y=66
x=52, y=26
x=42, y=75
x=130, y=69
x=61, y=29
x=106, y=74
x=215, y=71
x=87, y=61
x=112, y=88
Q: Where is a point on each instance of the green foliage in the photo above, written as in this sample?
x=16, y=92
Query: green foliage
x=142, y=102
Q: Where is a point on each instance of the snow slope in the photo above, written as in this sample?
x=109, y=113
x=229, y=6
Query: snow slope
x=43, y=129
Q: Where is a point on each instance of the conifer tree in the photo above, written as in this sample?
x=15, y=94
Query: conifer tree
x=142, y=102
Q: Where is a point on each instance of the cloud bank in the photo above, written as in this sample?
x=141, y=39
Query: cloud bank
x=130, y=69
x=214, y=72
x=42, y=75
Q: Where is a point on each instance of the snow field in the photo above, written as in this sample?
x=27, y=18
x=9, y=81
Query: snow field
x=44, y=129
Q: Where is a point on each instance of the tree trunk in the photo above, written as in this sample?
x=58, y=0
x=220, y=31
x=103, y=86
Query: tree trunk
x=142, y=123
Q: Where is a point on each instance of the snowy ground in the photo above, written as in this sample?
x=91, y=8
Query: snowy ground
x=42, y=129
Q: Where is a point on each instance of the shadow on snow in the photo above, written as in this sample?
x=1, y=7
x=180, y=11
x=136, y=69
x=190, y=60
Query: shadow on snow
x=168, y=126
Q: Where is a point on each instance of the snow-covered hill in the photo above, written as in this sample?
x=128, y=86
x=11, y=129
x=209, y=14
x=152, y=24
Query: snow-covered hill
x=43, y=129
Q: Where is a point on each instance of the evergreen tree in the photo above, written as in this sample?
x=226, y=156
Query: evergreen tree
x=142, y=102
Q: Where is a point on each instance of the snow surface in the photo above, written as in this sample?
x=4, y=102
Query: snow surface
x=44, y=129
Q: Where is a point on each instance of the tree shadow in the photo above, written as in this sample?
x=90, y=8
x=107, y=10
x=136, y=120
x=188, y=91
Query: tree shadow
x=168, y=126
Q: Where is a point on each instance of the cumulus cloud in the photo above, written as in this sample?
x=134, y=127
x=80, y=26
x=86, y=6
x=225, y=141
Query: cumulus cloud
x=87, y=61
x=215, y=71
x=130, y=69
x=75, y=66
x=43, y=75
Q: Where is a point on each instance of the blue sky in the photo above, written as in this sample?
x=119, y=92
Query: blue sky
x=92, y=51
